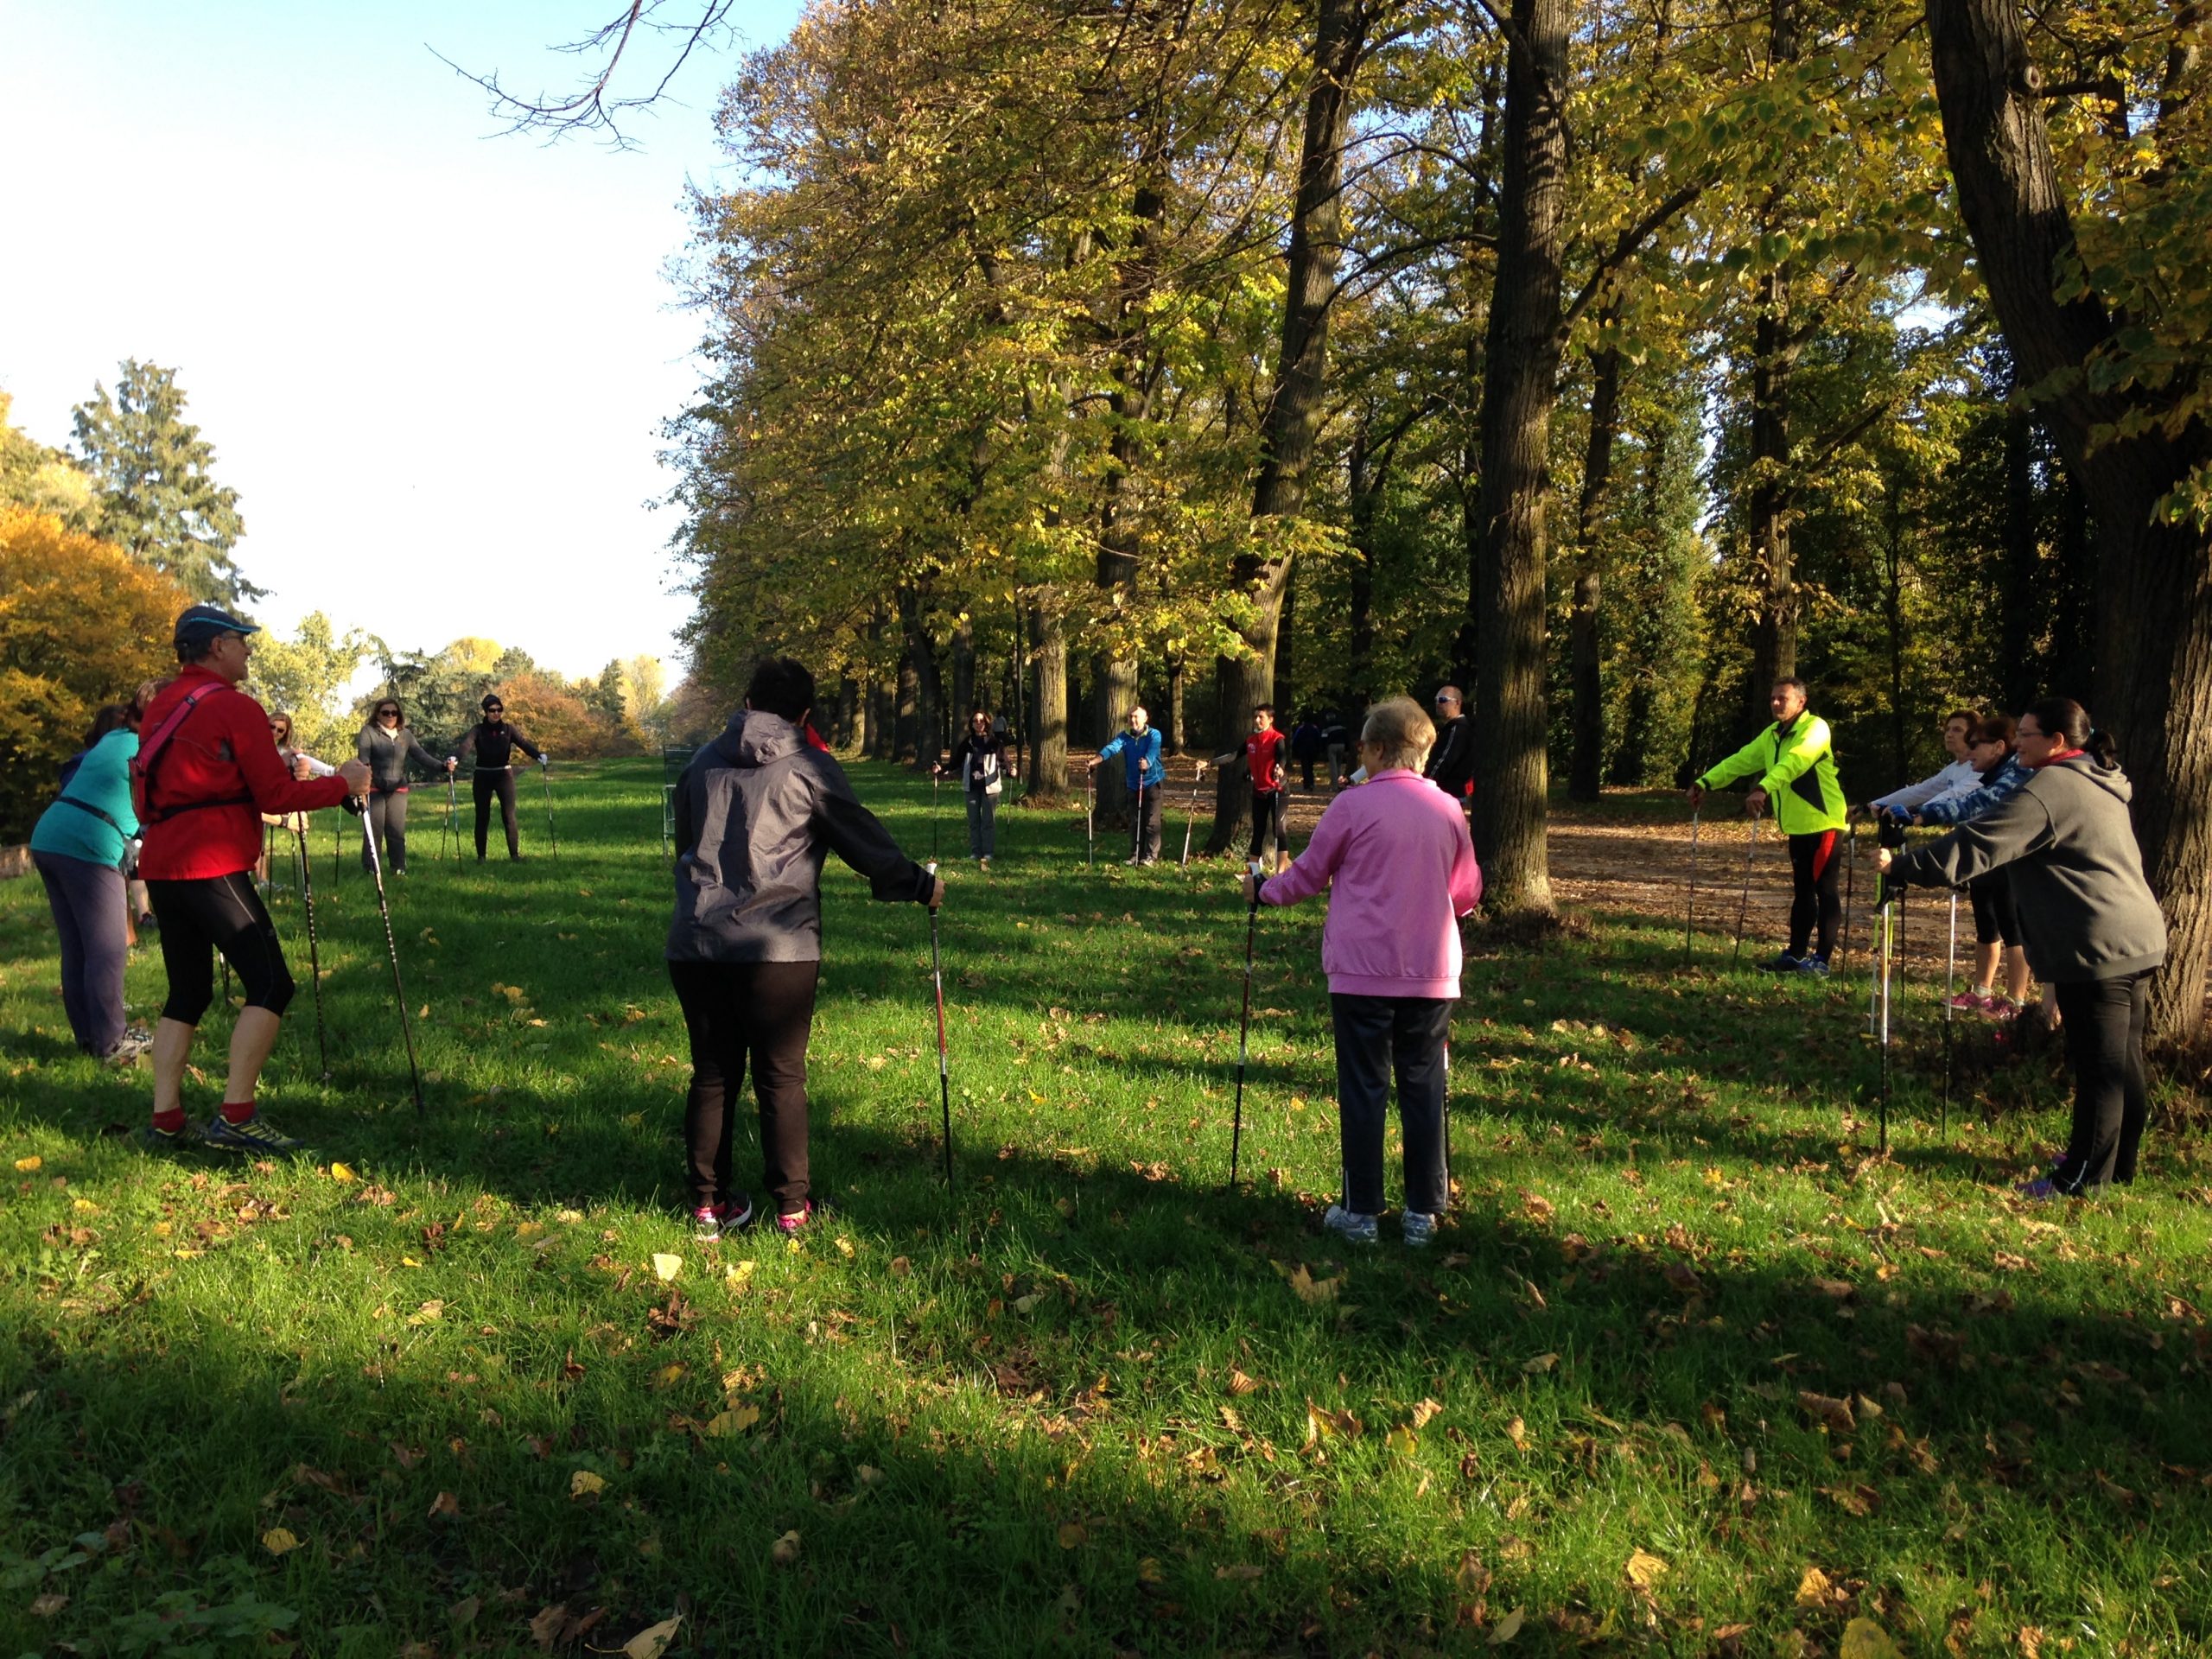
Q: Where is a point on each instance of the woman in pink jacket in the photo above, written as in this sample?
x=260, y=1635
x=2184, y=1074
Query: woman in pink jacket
x=1400, y=871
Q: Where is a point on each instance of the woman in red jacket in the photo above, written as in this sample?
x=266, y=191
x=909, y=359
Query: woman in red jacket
x=205, y=772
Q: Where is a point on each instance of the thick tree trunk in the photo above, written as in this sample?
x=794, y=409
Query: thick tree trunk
x=848, y=696
x=1048, y=769
x=2022, y=594
x=928, y=688
x=906, y=724
x=1520, y=391
x=2154, y=624
x=1284, y=689
x=1586, y=772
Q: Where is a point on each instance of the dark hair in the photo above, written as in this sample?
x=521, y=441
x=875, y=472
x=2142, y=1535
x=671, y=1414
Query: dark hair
x=1967, y=715
x=108, y=717
x=1994, y=728
x=394, y=704
x=1267, y=708
x=781, y=685
x=1803, y=690
x=2069, y=722
x=979, y=714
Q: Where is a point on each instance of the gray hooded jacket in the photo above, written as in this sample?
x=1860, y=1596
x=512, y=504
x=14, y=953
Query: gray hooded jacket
x=2086, y=913
x=757, y=812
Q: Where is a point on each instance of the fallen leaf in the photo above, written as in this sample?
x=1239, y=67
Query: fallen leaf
x=1403, y=1442
x=2030, y=1641
x=427, y=1314
x=665, y=1267
x=343, y=1174
x=1072, y=1534
x=1506, y=1629
x=1839, y=1289
x=1864, y=1639
x=1540, y=1364
x=1835, y=1412
x=1239, y=1383
x=1517, y=1432
x=784, y=1551
x=844, y=1247
x=1311, y=1291
x=901, y=1267
x=464, y=1611
x=27, y=1165
x=550, y=1621
x=47, y=1606
x=584, y=1482
x=447, y=1504
x=1683, y=1277
x=279, y=1541
x=1243, y=1570
x=652, y=1642
x=1814, y=1588
x=735, y=1420
x=868, y=1475
x=1644, y=1569
x=738, y=1274
x=1425, y=1413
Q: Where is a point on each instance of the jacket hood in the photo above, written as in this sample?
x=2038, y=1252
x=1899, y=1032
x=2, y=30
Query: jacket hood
x=2111, y=779
x=754, y=737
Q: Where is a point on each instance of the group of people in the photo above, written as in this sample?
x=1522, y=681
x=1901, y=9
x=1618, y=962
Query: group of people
x=187, y=773
x=2042, y=843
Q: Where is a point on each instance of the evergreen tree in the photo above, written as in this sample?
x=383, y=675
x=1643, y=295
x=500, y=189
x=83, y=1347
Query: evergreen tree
x=158, y=499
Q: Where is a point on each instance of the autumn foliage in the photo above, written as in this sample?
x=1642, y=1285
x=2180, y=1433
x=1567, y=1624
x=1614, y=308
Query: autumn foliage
x=81, y=623
x=560, y=722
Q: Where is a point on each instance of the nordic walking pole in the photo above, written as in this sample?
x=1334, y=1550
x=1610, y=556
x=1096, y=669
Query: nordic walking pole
x=1136, y=826
x=944, y=1066
x=1850, y=884
x=392, y=950
x=1191, y=822
x=1244, y=1021
x=545, y=777
x=1744, y=906
x=1089, y=817
x=452, y=828
x=1689, y=917
x=1950, y=965
x=315, y=953
x=1883, y=898
x=935, y=779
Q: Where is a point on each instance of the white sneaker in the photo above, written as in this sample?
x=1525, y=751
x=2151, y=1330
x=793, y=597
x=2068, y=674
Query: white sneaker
x=1350, y=1225
x=1421, y=1229
x=1132, y=860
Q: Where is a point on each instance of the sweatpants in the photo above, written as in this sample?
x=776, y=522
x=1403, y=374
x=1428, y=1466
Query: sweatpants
x=1270, y=833
x=2102, y=1020
x=87, y=902
x=1814, y=870
x=735, y=1011
x=222, y=914
x=386, y=822
x=1144, y=835
x=1376, y=1038
x=982, y=824
x=485, y=785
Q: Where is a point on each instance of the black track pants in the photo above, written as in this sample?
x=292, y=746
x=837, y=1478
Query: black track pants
x=2104, y=1050
x=736, y=1011
x=485, y=785
x=1814, y=870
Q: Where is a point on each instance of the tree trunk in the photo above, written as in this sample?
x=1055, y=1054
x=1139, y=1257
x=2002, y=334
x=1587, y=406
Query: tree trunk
x=849, y=695
x=1893, y=625
x=1520, y=391
x=1586, y=772
x=1175, y=730
x=928, y=712
x=906, y=724
x=2154, y=621
x=1284, y=689
x=1296, y=406
x=1048, y=767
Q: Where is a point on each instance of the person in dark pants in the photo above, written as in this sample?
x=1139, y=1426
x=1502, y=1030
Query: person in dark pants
x=1305, y=748
x=385, y=747
x=979, y=758
x=1452, y=762
x=757, y=812
x=1147, y=776
x=204, y=775
x=2092, y=927
x=1263, y=760
x=1400, y=869
x=491, y=744
x=77, y=847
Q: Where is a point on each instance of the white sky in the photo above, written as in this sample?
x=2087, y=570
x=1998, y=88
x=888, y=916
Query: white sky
x=434, y=362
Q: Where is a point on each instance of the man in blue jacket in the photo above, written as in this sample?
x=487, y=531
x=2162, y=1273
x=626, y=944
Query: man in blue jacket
x=1139, y=748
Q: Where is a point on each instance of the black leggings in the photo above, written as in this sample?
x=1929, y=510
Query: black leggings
x=2103, y=1025
x=1993, y=908
x=1267, y=825
x=485, y=785
x=222, y=914
x=1813, y=869
x=733, y=1010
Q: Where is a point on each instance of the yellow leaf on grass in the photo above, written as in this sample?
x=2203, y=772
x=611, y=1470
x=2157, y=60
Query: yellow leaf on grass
x=1072, y=1534
x=1312, y=1291
x=1425, y=1412
x=844, y=1246
x=445, y=1504
x=279, y=1541
x=1540, y=1364
x=901, y=1267
x=1644, y=1569
x=1403, y=1442
x=735, y=1420
x=784, y=1551
x=27, y=1165
x=1864, y=1639
x=583, y=1482
x=652, y=1642
x=1517, y=1432
x=1239, y=1383
x=665, y=1267
x=1813, y=1589
x=1506, y=1629
x=739, y=1273
x=428, y=1314
x=342, y=1173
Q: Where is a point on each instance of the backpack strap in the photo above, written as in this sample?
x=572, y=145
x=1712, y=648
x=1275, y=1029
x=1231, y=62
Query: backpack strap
x=86, y=807
x=151, y=749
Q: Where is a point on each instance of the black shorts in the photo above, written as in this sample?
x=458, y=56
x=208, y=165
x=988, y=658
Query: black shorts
x=1994, y=921
x=222, y=914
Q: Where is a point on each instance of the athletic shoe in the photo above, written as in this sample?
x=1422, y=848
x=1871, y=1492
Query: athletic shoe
x=1350, y=1225
x=150, y=923
x=127, y=1050
x=253, y=1135
x=1133, y=861
x=1971, y=1001
x=152, y=1138
x=1813, y=965
x=136, y=1029
x=1783, y=962
x=2039, y=1192
x=711, y=1221
x=1420, y=1230
x=2000, y=1007
x=985, y=863
x=797, y=1223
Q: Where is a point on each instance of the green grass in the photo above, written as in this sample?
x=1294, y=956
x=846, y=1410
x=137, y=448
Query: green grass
x=1093, y=1403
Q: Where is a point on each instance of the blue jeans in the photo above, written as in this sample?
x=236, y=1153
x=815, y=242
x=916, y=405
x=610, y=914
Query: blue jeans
x=1376, y=1037
x=88, y=905
x=982, y=826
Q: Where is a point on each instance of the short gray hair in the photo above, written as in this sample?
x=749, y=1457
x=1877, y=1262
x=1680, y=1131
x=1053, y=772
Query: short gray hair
x=1400, y=731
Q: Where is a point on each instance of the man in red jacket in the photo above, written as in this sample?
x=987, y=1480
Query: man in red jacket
x=206, y=771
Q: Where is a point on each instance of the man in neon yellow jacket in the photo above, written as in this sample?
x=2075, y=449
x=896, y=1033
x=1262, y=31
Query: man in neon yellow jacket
x=1794, y=764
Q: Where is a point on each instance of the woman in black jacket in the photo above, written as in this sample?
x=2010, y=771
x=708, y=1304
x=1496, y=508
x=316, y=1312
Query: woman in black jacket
x=385, y=747
x=979, y=759
x=491, y=743
x=2089, y=919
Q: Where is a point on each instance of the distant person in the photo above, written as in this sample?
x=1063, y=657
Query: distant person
x=1306, y=747
x=1959, y=772
x=1147, y=777
x=978, y=758
x=79, y=846
x=1400, y=870
x=757, y=812
x=1336, y=740
x=1996, y=922
x=204, y=774
x=1794, y=760
x=385, y=747
x=1452, y=762
x=1264, y=758
x=2089, y=920
x=491, y=745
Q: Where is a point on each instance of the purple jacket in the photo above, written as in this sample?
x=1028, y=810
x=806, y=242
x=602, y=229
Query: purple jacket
x=1400, y=869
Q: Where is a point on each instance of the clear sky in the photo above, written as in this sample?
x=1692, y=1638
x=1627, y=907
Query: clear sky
x=434, y=362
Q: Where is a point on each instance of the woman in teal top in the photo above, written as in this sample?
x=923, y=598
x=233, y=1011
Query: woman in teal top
x=78, y=848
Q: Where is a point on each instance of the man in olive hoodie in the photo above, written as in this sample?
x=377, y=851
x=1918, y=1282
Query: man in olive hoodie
x=757, y=812
x=1793, y=761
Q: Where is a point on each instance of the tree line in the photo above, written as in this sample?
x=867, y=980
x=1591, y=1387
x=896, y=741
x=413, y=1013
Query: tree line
x=1610, y=360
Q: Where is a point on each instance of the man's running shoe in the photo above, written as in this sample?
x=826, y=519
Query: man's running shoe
x=711, y=1221
x=152, y=1138
x=253, y=1135
x=1815, y=964
x=1421, y=1229
x=1350, y=1225
x=1783, y=962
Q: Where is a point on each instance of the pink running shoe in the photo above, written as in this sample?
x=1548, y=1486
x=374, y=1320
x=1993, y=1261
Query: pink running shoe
x=796, y=1223
x=1971, y=1001
x=711, y=1221
x=2000, y=1007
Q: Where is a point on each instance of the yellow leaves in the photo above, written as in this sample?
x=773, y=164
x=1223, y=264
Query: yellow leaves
x=28, y=1165
x=1644, y=1570
x=1240, y=1384
x=1425, y=1413
x=1538, y=1208
x=1517, y=1432
x=1864, y=1639
x=429, y=1313
x=1539, y=1365
x=1322, y=1425
x=1506, y=1627
x=1858, y=1499
x=1827, y=1409
x=585, y=1483
x=343, y=1174
x=1401, y=1442
x=1814, y=1589
x=785, y=1550
x=665, y=1267
x=1073, y=1534
x=445, y=1504
x=279, y=1541
x=739, y=1274
x=1311, y=1291
x=735, y=1419
x=652, y=1642
x=844, y=1247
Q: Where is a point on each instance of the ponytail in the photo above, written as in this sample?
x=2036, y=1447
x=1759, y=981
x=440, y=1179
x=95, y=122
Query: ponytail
x=2104, y=747
x=2069, y=722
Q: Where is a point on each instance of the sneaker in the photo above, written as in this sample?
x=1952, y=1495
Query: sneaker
x=2000, y=1007
x=2039, y=1192
x=1813, y=965
x=127, y=1050
x=711, y=1221
x=1421, y=1229
x=1350, y=1225
x=1783, y=962
x=1971, y=1001
x=797, y=1223
x=1133, y=861
x=152, y=1138
x=150, y=923
x=138, y=1029
x=984, y=862
x=253, y=1135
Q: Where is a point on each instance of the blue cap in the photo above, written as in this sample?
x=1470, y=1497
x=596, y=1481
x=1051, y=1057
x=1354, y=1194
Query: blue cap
x=201, y=623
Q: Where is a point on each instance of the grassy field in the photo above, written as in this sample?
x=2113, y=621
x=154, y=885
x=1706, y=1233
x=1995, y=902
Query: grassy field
x=1691, y=1370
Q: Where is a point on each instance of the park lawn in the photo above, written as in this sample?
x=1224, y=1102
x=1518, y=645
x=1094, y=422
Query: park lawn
x=1691, y=1370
